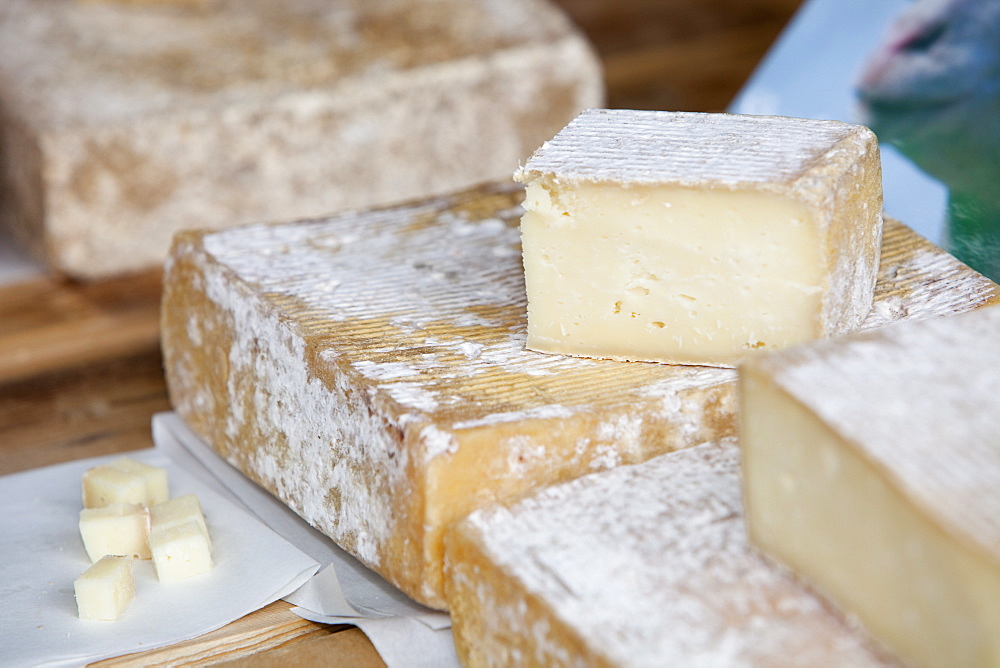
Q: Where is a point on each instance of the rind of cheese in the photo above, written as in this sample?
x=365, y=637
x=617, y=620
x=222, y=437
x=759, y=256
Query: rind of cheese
x=105, y=589
x=872, y=468
x=227, y=112
x=116, y=529
x=646, y=565
x=370, y=370
x=699, y=238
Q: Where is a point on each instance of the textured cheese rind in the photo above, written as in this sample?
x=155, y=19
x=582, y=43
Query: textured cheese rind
x=899, y=426
x=121, y=125
x=831, y=167
x=370, y=370
x=641, y=566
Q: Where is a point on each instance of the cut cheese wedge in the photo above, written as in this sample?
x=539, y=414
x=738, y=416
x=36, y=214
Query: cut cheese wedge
x=646, y=565
x=872, y=468
x=370, y=370
x=699, y=238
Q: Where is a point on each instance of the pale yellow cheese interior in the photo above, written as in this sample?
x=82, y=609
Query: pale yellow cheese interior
x=816, y=504
x=105, y=589
x=118, y=529
x=180, y=551
x=669, y=273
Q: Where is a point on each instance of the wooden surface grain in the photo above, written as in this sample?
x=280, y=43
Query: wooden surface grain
x=80, y=370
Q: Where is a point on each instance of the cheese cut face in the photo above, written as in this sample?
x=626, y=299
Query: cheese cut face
x=123, y=122
x=180, y=550
x=370, y=370
x=104, y=485
x=176, y=511
x=645, y=565
x=117, y=529
x=105, y=589
x=155, y=478
x=698, y=238
x=872, y=468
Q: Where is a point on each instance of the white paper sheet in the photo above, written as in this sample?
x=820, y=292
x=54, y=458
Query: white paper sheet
x=41, y=554
x=344, y=591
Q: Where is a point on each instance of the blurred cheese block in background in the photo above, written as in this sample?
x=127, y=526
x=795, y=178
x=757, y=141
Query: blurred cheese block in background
x=646, y=565
x=370, y=370
x=698, y=238
x=872, y=468
x=121, y=123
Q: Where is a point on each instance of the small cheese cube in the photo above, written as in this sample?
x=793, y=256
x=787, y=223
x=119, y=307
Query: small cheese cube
x=183, y=509
x=124, y=481
x=118, y=528
x=104, y=485
x=105, y=589
x=180, y=551
x=157, y=488
x=698, y=238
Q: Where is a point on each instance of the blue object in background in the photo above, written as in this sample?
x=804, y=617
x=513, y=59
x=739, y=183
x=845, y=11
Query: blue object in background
x=812, y=72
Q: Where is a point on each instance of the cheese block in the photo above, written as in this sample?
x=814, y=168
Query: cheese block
x=645, y=565
x=122, y=122
x=698, y=238
x=872, y=468
x=105, y=589
x=370, y=370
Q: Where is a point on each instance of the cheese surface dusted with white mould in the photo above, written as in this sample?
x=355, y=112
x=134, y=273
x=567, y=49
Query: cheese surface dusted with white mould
x=123, y=122
x=646, y=565
x=698, y=238
x=872, y=468
x=370, y=370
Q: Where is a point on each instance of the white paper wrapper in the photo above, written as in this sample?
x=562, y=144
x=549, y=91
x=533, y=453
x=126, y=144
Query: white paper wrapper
x=344, y=591
x=41, y=554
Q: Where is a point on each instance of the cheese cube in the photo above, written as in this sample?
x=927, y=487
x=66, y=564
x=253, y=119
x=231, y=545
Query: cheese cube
x=124, y=122
x=124, y=481
x=872, y=468
x=698, y=238
x=645, y=565
x=118, y=529
x=157, y=487
x=180, y=551
x=105, y=589
x=176, y=511
x=104, y=485
x=370, y=370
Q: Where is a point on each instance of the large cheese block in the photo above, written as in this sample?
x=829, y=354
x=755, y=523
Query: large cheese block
x=370, y=370
x=699, y=238
x=122, y=122
x=646, y=565
x=872, y=468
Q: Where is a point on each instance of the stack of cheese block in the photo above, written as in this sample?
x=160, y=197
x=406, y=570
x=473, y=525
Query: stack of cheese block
x=125, y=121
x=128, y=514
x=384, y=374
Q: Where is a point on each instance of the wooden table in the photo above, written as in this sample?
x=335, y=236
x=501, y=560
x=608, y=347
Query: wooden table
x=80, y=368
